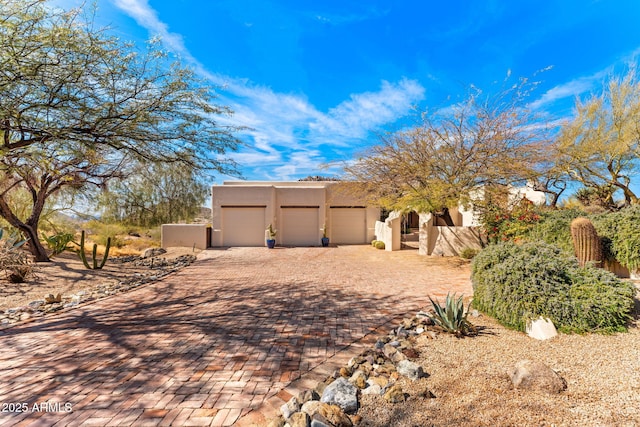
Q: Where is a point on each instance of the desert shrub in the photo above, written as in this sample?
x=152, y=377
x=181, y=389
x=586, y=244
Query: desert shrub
x=379, y=244
x=468, y=253
x=554, y=228
x=14, y=262
x=621, y=232
x=516, y=283
x=101, y=231
x=57, y=243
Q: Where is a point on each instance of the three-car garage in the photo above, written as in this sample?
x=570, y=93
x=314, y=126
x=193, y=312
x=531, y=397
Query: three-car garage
x=299, y=211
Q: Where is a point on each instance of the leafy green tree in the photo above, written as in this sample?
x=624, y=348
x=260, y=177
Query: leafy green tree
x=600, y=145
x=78, y=104
x=158, y=193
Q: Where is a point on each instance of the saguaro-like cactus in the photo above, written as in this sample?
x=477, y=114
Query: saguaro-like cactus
x=586, y=242
x=83, y=256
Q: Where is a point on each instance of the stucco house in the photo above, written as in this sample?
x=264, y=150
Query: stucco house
x=298, y=210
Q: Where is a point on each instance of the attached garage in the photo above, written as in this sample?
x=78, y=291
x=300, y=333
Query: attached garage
x=348, y=225
x=243, y=225
x=299, y=226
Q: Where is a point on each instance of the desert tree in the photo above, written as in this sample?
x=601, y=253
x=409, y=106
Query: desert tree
x=600, y=144
x=157, y=193
x=78, y=104
x=485, y=141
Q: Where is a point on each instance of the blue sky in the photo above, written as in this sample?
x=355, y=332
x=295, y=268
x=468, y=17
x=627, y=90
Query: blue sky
x=317, y=81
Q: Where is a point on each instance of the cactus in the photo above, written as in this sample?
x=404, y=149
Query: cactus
x=586, y=242
x=83, y=255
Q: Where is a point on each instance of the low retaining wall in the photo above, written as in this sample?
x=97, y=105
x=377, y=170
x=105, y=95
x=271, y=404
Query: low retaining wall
x=450, y=241
x=189, y=235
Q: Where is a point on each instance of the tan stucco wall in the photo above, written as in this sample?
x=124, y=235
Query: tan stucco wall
x=190, y=235
x=235, y=195
x=274, y=194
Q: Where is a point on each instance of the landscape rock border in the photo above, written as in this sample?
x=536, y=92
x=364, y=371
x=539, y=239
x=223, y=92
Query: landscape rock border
x=158, y=269
x=334, y=402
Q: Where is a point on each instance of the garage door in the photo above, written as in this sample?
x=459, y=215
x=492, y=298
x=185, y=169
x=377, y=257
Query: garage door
x=243, y=226
x=348, y=226
x=299, y=226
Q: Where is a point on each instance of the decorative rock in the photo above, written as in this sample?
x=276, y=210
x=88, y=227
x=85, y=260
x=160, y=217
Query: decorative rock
x=299, y=419
x=389, y=350
x=541, y=329
x=342, y=393
x=373, y=389
x=36, y=304
x=290, y=407
x=153, y=252
x=381, y=381
x=335, y=416
x=359, y=379
x=311, y=407
x=51, y=299
x=278, y=422
x=531, y=375
x=410, y=370
x=308, y=395
x=320, y=387
x=319, y=421
x=411, y=353
x=395, y=394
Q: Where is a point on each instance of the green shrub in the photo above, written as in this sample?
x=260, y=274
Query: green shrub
x=621, y=231
x=468, y=253
x=517, y=283
x=554, y=228
x=378, y=244
x=58, y=242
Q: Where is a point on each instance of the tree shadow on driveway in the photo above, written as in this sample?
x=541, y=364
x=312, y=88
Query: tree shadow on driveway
x=169, y=345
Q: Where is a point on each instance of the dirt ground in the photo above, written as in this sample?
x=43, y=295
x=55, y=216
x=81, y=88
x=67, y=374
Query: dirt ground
x=66, y=275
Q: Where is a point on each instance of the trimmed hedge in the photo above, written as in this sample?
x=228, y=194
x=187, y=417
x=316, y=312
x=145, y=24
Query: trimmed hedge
x=516, y=283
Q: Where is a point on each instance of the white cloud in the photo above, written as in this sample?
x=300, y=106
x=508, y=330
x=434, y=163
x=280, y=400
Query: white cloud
x=283, y=128
x=570, y=89
x=147, y=18
x=370, y=110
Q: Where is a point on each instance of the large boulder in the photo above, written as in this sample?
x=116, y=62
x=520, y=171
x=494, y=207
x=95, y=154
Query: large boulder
x=342, y=393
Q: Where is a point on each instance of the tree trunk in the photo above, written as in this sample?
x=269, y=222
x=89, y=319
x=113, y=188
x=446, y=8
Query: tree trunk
x=29, y=229
x=34, y=245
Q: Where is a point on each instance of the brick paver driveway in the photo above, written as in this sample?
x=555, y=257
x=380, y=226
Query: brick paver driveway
x=224, y=341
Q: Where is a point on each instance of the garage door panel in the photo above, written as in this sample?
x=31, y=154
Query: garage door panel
x=243, y=226
x=348, y=226
x=299, y=227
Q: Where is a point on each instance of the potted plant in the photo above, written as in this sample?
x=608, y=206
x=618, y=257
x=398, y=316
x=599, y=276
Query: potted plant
x=271, y=237
x=325, y=239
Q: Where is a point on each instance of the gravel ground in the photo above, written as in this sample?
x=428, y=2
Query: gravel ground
x=469, y=377
x=66, y=275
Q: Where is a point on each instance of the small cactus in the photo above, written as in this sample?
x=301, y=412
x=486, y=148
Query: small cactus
x=586, y=242
x=83, y=256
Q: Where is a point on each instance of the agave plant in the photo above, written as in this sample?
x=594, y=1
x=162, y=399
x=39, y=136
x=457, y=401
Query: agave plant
x=452, y=318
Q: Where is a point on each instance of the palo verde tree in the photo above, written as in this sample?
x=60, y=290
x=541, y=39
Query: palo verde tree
x=600, y=146
x=484, y=141
x=78, y=104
